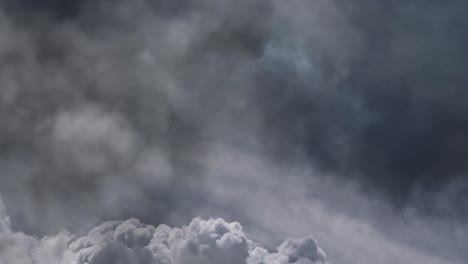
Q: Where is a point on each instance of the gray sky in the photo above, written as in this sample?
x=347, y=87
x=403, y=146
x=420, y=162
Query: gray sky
x=344, y=120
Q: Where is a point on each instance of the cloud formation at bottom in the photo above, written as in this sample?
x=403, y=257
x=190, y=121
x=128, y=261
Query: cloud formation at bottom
x=131, y=242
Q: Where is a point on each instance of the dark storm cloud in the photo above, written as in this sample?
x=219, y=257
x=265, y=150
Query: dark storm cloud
x=260, y=111
x=54, y=9
x=397, y=118
x=380, y=99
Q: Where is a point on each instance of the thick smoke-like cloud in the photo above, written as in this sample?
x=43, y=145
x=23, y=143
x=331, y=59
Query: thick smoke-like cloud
x=108, y=100
x=390, y=75
x=344, y=119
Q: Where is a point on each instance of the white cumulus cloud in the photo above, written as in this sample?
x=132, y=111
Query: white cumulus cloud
x=132, y=242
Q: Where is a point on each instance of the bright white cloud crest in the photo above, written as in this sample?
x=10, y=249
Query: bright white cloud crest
x=132, y=242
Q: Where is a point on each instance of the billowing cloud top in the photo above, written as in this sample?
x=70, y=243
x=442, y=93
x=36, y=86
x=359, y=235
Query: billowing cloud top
x=131, y=242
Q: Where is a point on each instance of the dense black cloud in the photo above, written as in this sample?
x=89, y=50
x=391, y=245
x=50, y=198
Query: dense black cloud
x=397, y=120
x=54, y=9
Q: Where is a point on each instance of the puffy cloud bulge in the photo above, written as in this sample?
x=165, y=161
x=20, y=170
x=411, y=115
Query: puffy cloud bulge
x=131, y=242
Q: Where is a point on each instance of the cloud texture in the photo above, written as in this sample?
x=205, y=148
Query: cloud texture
x=131, y=242
x=344, y=119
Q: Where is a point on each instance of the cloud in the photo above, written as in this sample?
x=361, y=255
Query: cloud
x=383, y=106
x=115, y=109
x=4, y=219
x=298, y=251
x=92, y=140
x=109, y=113
x=131, y=242
x=276, y=202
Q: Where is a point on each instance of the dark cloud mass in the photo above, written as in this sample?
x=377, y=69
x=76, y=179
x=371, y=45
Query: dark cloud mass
x=55, y=9
x=345, y=119
x=397, y=119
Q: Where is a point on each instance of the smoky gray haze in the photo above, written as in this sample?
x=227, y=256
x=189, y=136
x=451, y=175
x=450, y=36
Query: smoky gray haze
x=216, y=131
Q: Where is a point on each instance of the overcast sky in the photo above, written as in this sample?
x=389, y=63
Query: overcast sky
x=216, y=131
